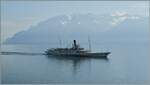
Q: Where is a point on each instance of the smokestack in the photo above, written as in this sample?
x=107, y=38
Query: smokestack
x=75, y=44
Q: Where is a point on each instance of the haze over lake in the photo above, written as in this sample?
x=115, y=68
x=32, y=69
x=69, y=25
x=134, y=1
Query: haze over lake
x=127, y=63
x=113, y=26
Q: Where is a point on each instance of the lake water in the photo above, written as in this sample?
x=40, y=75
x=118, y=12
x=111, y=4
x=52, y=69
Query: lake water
x=127, y=63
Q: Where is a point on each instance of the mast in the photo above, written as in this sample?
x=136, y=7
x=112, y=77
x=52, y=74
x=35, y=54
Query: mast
x=89, y=41
x=60, y=42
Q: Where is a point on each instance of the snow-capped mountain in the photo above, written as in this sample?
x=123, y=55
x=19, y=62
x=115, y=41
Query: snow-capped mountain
x=102, y=28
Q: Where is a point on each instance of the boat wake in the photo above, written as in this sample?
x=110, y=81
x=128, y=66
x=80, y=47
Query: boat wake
x=20, y=53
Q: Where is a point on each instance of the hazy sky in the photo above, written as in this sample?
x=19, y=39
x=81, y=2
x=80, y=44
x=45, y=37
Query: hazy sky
x=20, y=15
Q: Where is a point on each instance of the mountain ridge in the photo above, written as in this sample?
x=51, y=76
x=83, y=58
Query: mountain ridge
x=79, y=26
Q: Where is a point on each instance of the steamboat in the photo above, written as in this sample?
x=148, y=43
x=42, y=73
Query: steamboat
x=76, y=51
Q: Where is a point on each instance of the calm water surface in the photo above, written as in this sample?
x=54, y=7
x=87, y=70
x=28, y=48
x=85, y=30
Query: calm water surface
x=127, y=63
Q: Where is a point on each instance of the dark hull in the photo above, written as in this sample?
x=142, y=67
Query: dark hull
x=91, y=55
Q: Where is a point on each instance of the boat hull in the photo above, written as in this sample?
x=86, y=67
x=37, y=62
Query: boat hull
x=91, y=55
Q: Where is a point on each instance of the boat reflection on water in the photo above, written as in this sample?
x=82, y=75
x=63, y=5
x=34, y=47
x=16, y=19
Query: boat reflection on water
x=77, y=62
